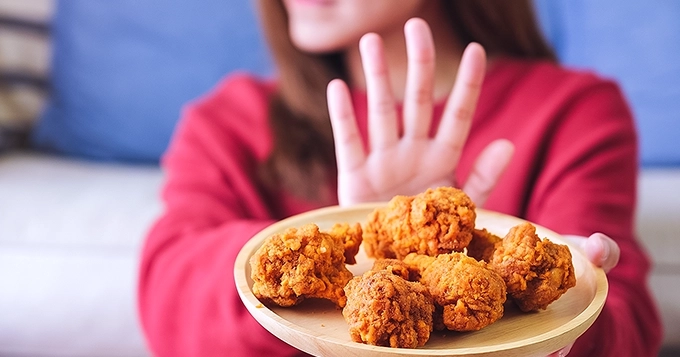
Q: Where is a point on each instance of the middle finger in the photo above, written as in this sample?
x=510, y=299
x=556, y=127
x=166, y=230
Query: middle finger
x=382, y=114
x=418, y=97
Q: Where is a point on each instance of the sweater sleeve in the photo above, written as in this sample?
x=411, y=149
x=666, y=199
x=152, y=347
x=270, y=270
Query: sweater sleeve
x=188, y=302
x=587, y=185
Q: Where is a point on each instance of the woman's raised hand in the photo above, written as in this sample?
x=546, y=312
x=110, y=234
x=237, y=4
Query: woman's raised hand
x=410, y=163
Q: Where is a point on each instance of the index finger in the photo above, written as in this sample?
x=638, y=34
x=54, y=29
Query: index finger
x=349, y=149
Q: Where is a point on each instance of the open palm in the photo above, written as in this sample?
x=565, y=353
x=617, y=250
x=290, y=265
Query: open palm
x=413, y=161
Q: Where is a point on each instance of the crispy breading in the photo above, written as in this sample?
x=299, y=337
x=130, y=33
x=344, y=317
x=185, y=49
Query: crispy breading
x=384, y=309
x=436, y=221
x=397, y=267
x=469, y=296
x=351, y=236
x=382, y=225
x=536, y=271
x=482, y=245
x=298, y=264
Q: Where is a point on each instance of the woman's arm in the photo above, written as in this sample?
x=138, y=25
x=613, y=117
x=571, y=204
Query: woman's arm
x=188, y=302
x=588, y=185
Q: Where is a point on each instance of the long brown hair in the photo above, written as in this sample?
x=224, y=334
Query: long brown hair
x=302, y=161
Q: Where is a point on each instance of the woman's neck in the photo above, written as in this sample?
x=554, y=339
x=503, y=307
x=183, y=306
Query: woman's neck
x=447, y=56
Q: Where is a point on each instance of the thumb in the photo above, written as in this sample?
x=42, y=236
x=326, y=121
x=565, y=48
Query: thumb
x=598, y=248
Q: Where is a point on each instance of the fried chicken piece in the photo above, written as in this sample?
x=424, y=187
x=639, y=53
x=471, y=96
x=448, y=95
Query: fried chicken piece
x=536, y=271
x=433, y=222
x=351, y=236
x=397, y=267
x=384, y=309
x=298, y=264
x=468, y=295
x=418, y=262
x=378, y=231
x=482, y=245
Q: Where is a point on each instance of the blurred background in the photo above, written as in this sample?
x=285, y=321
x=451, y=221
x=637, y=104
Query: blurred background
x=90, y=91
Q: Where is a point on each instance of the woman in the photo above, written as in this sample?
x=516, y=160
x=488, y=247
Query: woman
x=511, y=133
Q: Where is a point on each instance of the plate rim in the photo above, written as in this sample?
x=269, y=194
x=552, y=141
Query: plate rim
x=580, y=322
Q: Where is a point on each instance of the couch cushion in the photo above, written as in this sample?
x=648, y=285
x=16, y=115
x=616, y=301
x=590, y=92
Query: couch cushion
x=70, y=236
x=121, y=71
x=72, y=203
x=59, y=301
x=658, y=228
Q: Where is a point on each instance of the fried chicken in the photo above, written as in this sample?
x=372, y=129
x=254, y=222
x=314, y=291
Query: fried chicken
x=433, y=222
x=382, y=223
x=536, y=271
x=351, y=236
x=397, y=267
x=482, y=245
x=298, y=264
x=468, y=295
x=384, y=309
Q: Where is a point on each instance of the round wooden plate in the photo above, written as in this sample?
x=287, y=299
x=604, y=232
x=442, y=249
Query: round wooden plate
x=318, y=327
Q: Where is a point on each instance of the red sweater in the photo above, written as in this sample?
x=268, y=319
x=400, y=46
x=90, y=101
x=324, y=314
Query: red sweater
x=574, y=171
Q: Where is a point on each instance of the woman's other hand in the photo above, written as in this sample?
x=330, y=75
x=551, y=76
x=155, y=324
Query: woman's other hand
x=598, y=248
x=601, y=251
x=410, y=163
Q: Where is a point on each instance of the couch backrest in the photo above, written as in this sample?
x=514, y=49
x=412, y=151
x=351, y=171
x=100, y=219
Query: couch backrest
x=636, y=43
x=122, y=70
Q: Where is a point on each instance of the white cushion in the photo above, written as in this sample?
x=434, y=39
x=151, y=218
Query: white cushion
x=70, y=234
x=658, y=226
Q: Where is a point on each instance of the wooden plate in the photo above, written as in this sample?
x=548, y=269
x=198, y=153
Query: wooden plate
x=318, y=328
